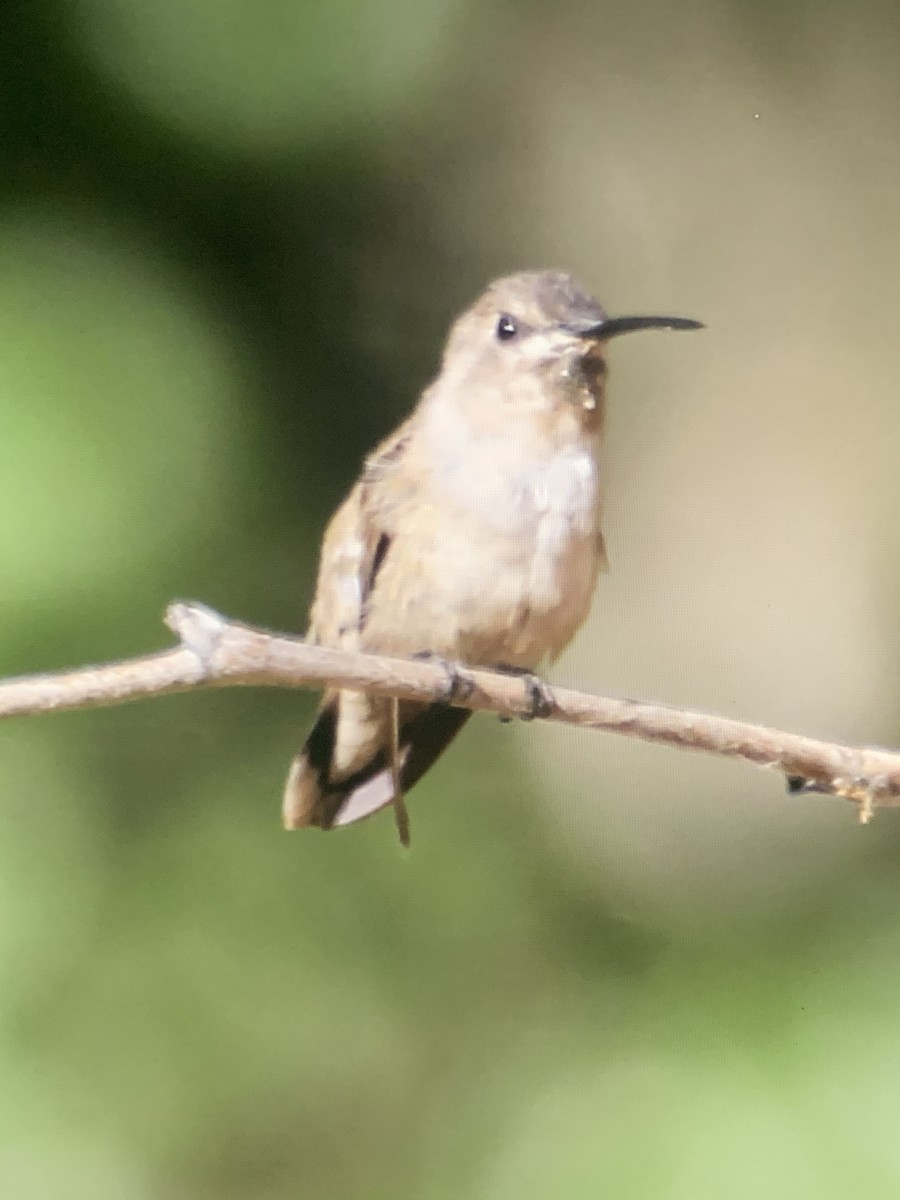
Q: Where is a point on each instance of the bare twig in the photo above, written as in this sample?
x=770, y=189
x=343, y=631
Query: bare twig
x=216, y=652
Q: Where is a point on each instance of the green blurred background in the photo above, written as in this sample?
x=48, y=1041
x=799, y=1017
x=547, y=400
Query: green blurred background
x=231, y=239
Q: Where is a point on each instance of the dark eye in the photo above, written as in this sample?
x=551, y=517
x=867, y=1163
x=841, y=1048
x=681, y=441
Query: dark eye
x=506, y=328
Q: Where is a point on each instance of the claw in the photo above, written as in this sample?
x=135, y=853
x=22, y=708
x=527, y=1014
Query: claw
x=540, y=698
x=459, y=685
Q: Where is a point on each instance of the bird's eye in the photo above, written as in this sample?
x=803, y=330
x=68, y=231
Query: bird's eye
x=506, y=328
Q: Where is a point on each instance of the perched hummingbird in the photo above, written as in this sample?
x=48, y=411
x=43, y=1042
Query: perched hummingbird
x=473, y=535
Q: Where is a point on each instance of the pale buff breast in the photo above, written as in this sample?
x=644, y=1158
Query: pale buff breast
x=521, y=551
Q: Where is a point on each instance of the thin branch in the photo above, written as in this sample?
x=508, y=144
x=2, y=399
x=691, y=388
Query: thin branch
x=215, y=652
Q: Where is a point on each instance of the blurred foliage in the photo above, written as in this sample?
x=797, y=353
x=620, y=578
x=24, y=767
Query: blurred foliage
x=231, y=238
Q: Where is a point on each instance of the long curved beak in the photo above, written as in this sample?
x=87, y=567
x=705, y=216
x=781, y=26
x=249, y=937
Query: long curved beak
x=612, y=326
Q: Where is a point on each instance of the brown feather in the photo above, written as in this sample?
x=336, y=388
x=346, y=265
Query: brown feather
x=324, y=802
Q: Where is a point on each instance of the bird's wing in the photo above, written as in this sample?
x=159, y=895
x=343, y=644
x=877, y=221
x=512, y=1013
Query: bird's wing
x=354, y=548
x=343, y=772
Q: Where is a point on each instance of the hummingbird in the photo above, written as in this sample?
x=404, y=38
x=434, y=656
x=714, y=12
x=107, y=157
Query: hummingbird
x=472, y=536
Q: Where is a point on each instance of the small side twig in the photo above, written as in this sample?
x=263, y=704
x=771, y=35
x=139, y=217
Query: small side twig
x=215, y=652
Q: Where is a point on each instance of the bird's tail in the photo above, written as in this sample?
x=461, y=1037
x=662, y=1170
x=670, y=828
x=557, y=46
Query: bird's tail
x=344, y=771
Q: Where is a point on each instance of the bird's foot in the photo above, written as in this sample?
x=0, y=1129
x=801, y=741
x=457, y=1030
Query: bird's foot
x=459, y=685
x=540, y=698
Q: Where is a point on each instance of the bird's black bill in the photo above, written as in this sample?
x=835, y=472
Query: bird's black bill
x=613, y=326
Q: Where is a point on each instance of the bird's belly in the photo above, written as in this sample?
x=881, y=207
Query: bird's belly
x=521, y=604
x=499, y=570
x=520, y=587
